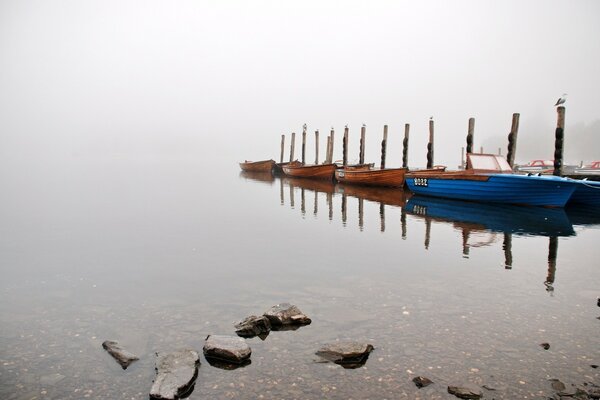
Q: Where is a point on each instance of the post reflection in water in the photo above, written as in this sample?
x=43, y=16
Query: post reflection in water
x=361, y=208
x=344, y=209
x=478, y=223
x=552, y=253
x=403, y=223
x=507, y=247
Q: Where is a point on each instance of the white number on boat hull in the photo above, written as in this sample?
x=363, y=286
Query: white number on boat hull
x=421, y=182
x=420, y=210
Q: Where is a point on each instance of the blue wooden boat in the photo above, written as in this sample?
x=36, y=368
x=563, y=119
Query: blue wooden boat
x=587, y=193
x=489, y=178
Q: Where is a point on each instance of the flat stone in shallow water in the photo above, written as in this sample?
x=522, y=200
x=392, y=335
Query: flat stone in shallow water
x=175, y=375
x=253, y=326
x=229, y=348
x=421, y=381
x=286, y=314
x=123, y=357
x=349, y=354
x=465, y=392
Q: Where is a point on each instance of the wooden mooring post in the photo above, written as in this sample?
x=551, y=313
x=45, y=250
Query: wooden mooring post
x=430, y=146
x=384, y=146
x=332, y=136
x=512, y=140
x=345, y=146
x=303, y=143
x=361, y=154
x=405, y=146
x=327, y=150
x=470, y=132
x=559, y=141
x=282, y=148
x=316, y=147
x=292, y=146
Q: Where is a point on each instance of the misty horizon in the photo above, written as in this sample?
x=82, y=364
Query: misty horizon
x=223, y=81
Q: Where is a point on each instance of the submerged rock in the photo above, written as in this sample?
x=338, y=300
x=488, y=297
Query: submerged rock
x=227, y=365
x=175, y=375
x=557, y=385
x=286, y=314
x=348, y=354
x=253, y=326
x=465, y=392
x=421, y=381
x=227, y=348
x=594, y=393
x=123, y=357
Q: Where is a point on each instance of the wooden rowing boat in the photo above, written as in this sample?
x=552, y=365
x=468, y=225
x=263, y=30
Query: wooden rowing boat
x=390, y=177
x=319, y=171
x=257, y=166
x=278, y=167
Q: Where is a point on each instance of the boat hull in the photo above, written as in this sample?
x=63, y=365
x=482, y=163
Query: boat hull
x=257, y=166
x=587, y=193
x=547, y=191
x=392, y=177
x=324, y=171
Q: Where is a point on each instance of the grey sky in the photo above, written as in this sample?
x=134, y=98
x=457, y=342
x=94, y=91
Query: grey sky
x=223, y=80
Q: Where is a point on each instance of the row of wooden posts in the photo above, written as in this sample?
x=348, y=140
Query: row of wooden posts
x=512, y=143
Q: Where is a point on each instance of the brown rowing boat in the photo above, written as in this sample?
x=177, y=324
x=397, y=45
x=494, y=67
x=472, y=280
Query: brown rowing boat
x=390, y=177
x=278, y=167
x=320, y=171
x=257, y=166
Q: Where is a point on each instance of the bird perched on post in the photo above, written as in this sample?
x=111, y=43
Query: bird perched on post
x=561, y=100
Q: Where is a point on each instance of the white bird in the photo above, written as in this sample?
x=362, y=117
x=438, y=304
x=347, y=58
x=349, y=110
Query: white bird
x=561, y=100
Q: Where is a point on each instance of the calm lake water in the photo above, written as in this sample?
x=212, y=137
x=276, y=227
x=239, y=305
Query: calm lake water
x=158, y=255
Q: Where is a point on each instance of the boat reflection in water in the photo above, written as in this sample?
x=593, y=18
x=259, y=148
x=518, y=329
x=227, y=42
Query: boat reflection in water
x=508, y=220
x=479, y=224
x=381, y=195
x=260, y=176
x=518, y=220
